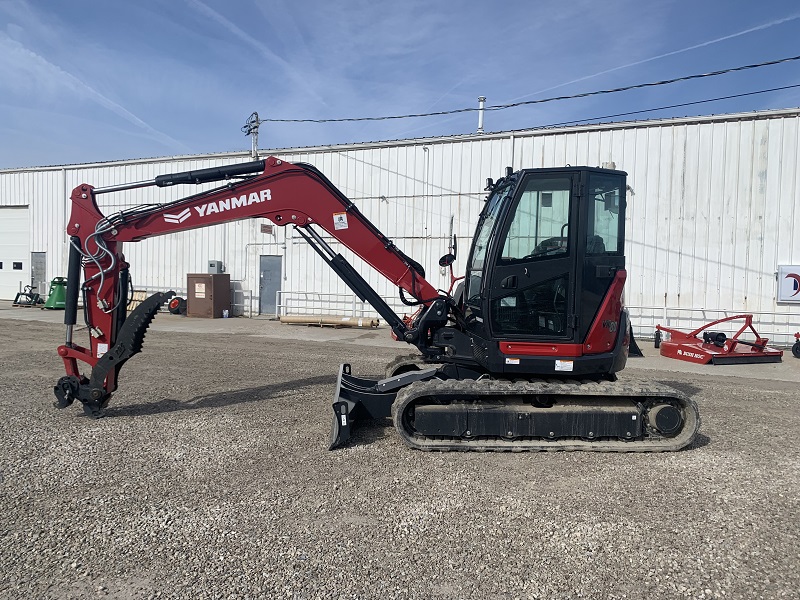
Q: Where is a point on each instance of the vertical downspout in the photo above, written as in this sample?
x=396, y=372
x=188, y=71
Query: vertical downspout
x=65, y=205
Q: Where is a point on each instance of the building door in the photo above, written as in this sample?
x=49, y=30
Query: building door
x=15, y=253
x=269, y=284
x=39, y=272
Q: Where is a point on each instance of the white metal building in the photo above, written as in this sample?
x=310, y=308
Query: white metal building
x=712, y=214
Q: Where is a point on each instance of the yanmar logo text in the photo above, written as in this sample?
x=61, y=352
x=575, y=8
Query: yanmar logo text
x=219, y=206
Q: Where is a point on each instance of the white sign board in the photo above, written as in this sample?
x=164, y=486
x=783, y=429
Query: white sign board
x=789, y=284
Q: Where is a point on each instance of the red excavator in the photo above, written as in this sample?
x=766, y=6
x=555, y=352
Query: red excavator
x=522, y=355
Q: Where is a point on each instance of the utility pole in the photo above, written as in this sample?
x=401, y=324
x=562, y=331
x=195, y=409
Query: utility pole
x=251, y=128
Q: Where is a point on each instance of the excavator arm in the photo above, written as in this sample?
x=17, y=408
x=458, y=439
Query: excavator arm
x=285, y=193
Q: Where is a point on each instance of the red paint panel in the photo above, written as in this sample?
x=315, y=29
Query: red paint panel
x=541, y=349
x=693, y=353
x=603, y=332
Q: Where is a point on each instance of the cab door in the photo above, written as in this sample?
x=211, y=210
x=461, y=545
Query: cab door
x=603, y=228
x=531, y=294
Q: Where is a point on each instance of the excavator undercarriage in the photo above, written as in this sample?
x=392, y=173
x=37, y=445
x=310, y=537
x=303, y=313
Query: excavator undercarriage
x=433, y=412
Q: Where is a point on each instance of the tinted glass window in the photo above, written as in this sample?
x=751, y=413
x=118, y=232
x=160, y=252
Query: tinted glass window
x=605, y=195
x=483, y=237
x=540, y=227
x=538, y=310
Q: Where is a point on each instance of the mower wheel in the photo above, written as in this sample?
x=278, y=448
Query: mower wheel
x=177, y=306
x=796, y=349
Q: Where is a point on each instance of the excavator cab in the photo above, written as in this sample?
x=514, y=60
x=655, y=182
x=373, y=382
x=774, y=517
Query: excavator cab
x=547, y=252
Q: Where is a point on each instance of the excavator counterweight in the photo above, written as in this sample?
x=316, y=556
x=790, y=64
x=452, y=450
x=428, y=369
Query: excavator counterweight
x=523, y=355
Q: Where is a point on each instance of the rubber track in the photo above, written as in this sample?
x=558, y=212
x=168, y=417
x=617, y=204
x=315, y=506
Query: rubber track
x=498, y=388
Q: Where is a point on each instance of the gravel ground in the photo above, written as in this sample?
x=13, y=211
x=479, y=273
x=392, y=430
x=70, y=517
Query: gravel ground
x=211, y=478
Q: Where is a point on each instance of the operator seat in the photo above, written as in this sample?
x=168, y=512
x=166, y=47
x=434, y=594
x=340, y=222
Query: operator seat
x=595, y=245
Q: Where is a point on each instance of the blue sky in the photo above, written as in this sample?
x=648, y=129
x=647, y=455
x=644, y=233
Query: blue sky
x=97, y=80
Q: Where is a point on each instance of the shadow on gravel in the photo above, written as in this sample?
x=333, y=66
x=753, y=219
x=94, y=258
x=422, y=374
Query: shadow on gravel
x=219, y=399
x=368, y=430
x=700, y=441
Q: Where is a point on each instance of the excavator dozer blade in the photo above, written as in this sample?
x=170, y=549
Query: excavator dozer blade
x=356, y=398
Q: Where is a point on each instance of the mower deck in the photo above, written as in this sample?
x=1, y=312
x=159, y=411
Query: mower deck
x=715, y=347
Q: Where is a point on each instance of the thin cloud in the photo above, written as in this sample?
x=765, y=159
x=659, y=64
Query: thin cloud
x=665, y=55
x=48, y=73
x=243, y=36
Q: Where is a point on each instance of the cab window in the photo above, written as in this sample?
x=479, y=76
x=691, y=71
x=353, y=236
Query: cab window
x=540, y=228
x=605, y=196
x=483, y=237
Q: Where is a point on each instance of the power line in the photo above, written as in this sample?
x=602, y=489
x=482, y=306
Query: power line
x=543, y=100
x=646, y=110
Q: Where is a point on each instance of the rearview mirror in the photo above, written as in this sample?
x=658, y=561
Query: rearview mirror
x=447, y=260
x=610, y=203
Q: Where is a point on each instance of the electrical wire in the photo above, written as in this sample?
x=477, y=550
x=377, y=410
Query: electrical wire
x=543, y=100
x=682, y=104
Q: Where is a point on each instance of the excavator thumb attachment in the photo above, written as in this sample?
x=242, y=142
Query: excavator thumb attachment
x=356, y=398
x=92, y=392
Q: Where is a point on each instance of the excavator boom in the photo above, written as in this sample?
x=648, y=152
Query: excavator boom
x=286, y=193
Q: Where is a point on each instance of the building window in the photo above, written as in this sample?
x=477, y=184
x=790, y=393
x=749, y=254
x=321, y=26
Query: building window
x=1, y=265
x=17, y=266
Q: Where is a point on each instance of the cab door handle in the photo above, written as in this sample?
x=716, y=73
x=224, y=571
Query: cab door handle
x=602, y=271
x=509, y=282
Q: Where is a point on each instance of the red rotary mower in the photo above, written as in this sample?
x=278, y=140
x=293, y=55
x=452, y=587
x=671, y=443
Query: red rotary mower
x=716, y=347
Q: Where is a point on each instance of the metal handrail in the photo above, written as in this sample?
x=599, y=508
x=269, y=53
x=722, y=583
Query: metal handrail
x=355, y=307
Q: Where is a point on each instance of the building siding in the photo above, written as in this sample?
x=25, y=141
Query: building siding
x=712, y=211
